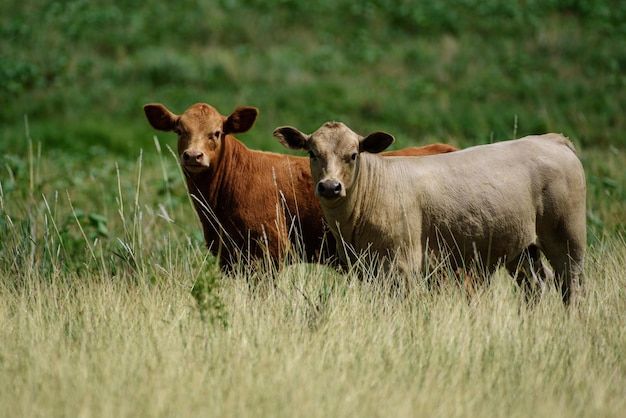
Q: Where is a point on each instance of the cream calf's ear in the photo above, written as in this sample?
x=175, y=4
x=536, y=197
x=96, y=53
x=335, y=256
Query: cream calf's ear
x=160, y=118
x=291, y=137
x=376, y=142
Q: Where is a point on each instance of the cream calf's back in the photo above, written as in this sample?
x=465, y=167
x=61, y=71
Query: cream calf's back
x=490, y=200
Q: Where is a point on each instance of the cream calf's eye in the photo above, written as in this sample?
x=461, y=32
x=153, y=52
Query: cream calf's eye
x=311, y=155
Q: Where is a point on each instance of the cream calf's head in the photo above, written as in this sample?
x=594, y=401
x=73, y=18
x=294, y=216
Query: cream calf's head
x=334, y=151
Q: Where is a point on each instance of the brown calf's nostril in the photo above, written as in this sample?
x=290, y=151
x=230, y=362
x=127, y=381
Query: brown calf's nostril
x=193, y=155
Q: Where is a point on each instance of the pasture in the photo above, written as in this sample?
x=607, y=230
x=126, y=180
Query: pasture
x=110, y=304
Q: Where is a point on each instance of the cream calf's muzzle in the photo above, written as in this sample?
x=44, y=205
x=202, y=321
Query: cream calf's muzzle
x=330, y=189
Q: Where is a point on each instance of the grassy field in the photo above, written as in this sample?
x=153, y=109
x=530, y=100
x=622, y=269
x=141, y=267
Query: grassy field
x=110, y=306
x=109, y=302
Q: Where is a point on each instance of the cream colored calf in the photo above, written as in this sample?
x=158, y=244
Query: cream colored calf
x=485, y=205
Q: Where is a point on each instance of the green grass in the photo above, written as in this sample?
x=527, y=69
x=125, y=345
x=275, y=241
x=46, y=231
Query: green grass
x=109, y=302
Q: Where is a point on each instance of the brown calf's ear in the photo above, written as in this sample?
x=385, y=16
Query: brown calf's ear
x=159, y=117
x=241, y=120
x=376, y=142
x=291, y=137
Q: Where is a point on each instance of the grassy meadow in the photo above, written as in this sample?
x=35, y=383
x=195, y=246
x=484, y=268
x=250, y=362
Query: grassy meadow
x=109, y=302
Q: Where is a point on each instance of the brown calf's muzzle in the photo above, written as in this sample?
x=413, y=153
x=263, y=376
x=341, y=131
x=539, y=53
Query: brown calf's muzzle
x=194, y=160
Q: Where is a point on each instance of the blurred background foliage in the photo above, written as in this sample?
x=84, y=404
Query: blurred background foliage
x=458, y=71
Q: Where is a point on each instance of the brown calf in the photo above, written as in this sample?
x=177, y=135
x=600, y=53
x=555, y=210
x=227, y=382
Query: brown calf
x=252, y=204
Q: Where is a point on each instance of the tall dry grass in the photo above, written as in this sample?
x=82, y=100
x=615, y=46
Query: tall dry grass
x=314, y=344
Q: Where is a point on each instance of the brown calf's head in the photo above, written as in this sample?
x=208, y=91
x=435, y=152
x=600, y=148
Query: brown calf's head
x=201, y=130
x=334, y=151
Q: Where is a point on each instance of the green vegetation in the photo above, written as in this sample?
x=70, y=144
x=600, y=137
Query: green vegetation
x=459, y=71
x=109, y=302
